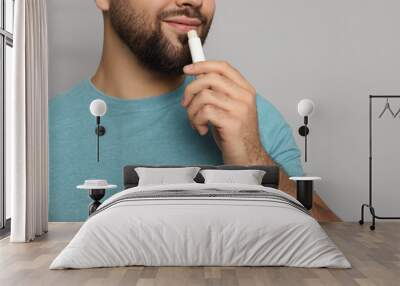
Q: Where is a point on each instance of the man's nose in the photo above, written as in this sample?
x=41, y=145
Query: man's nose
x=193, y=3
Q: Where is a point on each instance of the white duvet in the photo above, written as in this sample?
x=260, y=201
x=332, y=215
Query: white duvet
x=200, y=231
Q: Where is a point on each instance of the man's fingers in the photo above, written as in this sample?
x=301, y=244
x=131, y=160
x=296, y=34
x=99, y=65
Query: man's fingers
x=214, y=82
x=218, y=117
x=208, y=96
x=220, y=67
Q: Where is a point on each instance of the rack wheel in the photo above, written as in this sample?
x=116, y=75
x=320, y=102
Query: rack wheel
x=361, y=222
x=372, y=227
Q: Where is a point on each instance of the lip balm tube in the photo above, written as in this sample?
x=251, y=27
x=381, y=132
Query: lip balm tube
x=195, y=46
x=196, y=50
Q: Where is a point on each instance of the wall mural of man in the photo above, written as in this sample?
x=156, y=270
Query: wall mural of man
x=160, y=108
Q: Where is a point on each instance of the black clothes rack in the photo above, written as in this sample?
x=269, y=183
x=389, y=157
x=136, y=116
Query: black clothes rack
x=370, y=204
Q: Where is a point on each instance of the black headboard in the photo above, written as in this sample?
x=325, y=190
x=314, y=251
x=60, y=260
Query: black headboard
x=270, y=179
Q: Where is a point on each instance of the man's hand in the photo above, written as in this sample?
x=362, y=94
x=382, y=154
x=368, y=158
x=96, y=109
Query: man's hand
x=222, y=96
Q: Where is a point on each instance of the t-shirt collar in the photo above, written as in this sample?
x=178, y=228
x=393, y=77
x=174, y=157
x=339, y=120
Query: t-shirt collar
x=148, y=103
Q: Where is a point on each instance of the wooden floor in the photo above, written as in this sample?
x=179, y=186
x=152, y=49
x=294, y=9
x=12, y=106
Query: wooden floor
x=375, y=257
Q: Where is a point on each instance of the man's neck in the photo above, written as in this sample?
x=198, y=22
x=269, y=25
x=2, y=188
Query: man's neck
x=120, y=74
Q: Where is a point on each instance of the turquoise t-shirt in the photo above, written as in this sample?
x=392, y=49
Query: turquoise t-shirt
x=154, y=130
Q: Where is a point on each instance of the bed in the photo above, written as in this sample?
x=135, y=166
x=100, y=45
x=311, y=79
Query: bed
x=201, y=224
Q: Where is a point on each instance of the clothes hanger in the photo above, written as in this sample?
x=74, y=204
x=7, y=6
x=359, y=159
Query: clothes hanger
x=387, y=107
x=397, y=113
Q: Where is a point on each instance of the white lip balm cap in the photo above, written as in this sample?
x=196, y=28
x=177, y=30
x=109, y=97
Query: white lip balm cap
x=195, y=46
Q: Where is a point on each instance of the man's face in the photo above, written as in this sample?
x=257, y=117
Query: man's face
x=156, y=30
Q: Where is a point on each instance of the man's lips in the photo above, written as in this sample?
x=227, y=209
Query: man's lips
x=183, y=24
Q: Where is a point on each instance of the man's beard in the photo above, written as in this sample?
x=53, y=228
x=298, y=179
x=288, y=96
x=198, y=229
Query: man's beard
x=152, y=47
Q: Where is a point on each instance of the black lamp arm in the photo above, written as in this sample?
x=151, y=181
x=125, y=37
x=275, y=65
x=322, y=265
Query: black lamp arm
x=100, y=131
x=303, y=131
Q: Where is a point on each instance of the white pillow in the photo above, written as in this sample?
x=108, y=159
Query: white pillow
x=166, y=175
x=249, y=177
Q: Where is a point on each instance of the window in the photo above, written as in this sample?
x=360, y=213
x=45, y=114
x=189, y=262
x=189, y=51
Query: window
x=6, y=62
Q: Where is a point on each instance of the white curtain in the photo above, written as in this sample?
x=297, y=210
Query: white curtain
x=27, y=123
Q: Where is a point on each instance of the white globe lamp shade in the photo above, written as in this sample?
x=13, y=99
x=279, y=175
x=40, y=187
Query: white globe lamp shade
x=98, y=107
x=305, y=107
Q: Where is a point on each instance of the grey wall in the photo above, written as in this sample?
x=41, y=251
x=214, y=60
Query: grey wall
x=333, y=52
x=75, y=42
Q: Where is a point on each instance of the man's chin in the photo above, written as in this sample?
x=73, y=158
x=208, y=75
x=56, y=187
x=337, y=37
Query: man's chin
x=178, y=59
x=169, y=70
x=170, y=73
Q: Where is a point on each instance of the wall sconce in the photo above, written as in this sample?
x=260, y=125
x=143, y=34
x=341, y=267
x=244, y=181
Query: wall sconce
x=305, y=107
x=98, y=108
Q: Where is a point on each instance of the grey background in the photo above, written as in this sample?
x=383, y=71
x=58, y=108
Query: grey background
x=333, y=52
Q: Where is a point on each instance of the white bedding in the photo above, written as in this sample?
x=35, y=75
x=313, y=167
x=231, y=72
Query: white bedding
x=200, y=231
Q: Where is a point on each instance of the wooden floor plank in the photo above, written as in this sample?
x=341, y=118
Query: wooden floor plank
x=374, y=255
